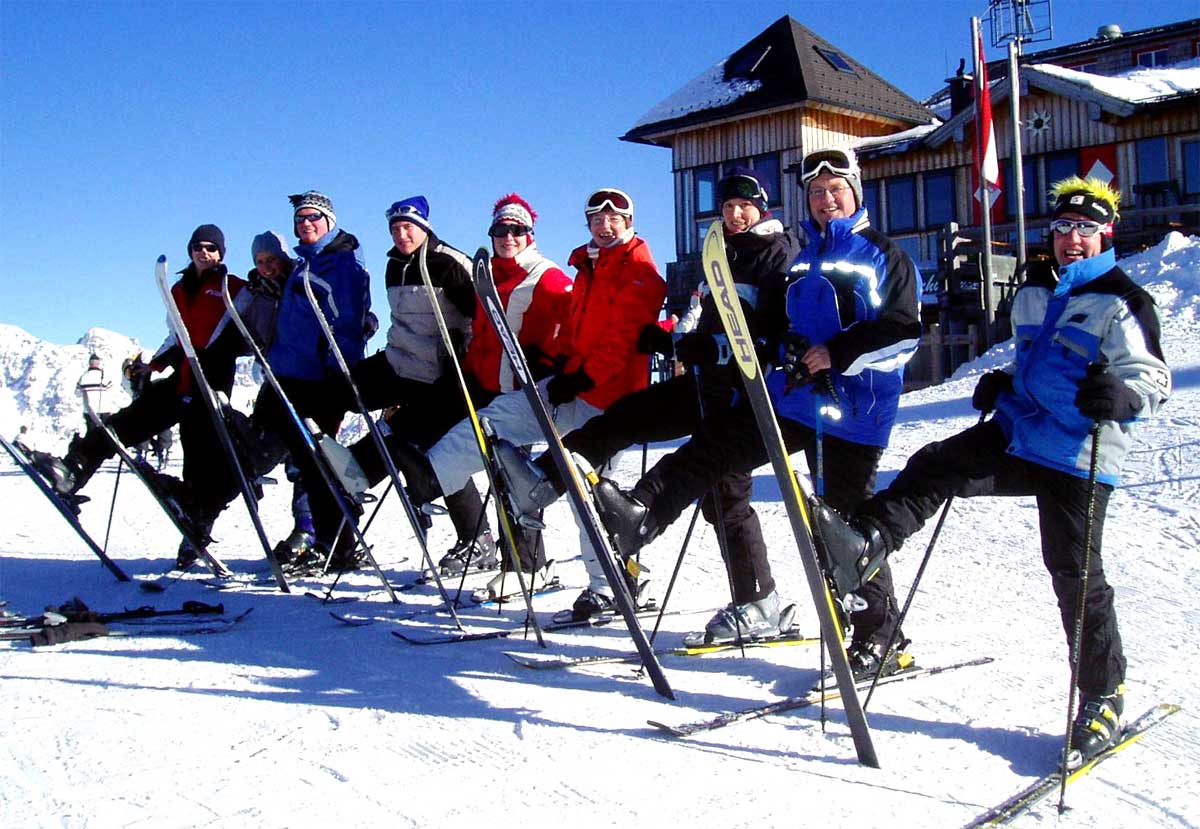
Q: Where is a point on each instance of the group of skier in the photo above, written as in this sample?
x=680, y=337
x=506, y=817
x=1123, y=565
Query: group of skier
x=834, y=313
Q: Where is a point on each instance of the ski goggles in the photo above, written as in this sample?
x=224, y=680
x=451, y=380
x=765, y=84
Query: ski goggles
x=502, y=229
x=741, y=187
x=1086, y=227
x=836, y=162
x=617, y=201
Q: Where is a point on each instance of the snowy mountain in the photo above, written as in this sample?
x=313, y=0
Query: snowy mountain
x=294, y=719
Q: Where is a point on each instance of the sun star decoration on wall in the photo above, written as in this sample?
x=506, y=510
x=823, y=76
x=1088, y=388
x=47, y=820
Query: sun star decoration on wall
x=1038, y=123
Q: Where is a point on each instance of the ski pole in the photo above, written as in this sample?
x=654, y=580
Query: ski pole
x=113, y=505
x=912, y=590
x=1077, y=636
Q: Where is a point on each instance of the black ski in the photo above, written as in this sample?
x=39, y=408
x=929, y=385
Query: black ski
x=803, y=701
x=495, y=482
x=81, y=631
x=551, y=586
x=217, y=414
x=717, y=274
x=140, y=468
x=21, y=458
x=485, y=286
x=550, y=662
x=1027, y=798
x=453, y=638
x=310, y=444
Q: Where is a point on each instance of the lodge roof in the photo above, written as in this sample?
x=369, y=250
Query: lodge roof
x=785, y=65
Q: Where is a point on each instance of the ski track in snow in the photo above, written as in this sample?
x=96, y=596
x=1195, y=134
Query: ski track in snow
x=292, y=719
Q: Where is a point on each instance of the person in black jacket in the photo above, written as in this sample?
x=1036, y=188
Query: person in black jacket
x=759, y=249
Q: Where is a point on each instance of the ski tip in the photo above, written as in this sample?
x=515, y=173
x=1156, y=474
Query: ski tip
x=162, y=259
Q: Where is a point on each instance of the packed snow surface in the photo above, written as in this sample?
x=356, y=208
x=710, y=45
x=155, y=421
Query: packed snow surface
x=294, y=719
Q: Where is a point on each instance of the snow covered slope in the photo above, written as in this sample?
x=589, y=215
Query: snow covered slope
x=292, y=719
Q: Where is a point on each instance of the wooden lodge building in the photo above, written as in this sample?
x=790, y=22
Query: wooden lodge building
x=1125, y=107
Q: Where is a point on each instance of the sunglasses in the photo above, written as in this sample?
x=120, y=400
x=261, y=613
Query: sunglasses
x=207, y=247
x=311, y=218
x=615, y=200
x=837, y=162
x=502, y=229
x=1086, y=228
x=820, y=192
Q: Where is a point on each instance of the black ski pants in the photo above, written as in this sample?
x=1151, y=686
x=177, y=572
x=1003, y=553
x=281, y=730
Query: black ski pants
x=158, y=408
x=976, y=462
x=667, y=411
x=729, y=444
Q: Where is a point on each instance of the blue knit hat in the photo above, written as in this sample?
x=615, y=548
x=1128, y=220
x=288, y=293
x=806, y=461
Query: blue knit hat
x=414, y=209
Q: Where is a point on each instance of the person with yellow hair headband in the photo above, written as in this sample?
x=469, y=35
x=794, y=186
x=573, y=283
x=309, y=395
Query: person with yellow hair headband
x=1088, y=366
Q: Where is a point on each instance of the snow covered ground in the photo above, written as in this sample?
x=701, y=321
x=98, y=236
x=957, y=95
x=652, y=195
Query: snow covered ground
x=293, y=719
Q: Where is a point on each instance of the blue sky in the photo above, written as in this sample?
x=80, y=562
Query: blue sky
x=123, y=125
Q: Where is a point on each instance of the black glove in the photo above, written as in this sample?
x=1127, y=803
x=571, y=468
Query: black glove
x=795, y=346
x=1102, y=396
x=696, y=349
x=989, y=388
x=652, y=339
x=563, y=388
x=370, y=325
x=262, y=286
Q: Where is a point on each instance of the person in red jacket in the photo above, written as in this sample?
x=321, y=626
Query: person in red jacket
x=173, y=400
x=536, y=295
x=617, y=291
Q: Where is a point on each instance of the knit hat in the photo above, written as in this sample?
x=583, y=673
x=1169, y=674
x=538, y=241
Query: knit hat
x=315, y=200
x=513, y=208
x=837, y=161
x=208, y=233
x=414, y=209
x=269, y=242
x=742, y=183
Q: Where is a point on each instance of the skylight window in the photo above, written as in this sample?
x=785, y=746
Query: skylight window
x=836, y=60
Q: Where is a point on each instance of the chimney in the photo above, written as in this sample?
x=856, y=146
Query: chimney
x=962, y=89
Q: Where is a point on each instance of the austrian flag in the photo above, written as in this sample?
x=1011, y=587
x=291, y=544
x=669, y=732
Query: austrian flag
x=987, y=166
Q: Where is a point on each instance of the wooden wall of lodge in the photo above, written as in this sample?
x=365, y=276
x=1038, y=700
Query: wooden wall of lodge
x=791, y=131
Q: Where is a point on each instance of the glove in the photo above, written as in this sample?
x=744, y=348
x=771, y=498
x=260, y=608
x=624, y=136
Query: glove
x=697, y=349
x=261, y=286
x=652, y=339
x=1102, y=396
x=370, y=325
x=989, y=388
x=795, y=346
x=563, y=388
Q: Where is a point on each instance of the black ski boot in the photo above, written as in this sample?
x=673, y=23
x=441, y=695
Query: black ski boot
x=295, y=546
x=1097, y=725
x=529, y=489
x=68, y=474
x=628, y=521
x=590, y=603
x=471, y=555
x=864, y=658
x=851, y=554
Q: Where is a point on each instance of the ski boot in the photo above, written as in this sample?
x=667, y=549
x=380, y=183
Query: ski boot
x=295, y=546
x=68, y=474
x=347, y=555
x=470, y=555
x=1097, y=725
x=590, y=603
x=851, y=554
x=864, y=658
x=762, y=619
x=504, y=585
x=529, y=490
x=629, y=522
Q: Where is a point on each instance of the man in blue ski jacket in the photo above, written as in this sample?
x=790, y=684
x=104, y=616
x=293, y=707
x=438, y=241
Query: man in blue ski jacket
x=1088, y=366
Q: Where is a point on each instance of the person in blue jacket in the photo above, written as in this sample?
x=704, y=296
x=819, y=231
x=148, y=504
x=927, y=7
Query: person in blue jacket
x=300, y=355
x=841, y=323
x=1088, y=367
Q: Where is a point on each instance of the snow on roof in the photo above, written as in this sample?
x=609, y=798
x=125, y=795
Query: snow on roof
x=709, y=90
x=901, y=140
x=1137, y=86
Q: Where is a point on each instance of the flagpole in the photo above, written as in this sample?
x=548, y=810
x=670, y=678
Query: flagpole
x=985, y=201
x=1018, y=188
